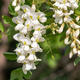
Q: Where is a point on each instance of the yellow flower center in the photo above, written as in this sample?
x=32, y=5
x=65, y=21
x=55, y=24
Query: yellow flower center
x=25, y=43
x=27, y=25
x=37, y=40
x=38, y=17
x=64, y=1
x=17, y=22
x=19, y=53
x=33, y=52
x=38, y=29
x=31, y=17
x=25, y=10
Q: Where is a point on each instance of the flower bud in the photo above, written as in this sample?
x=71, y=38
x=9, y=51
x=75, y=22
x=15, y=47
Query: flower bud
x=14, y=3
x=74, y=50
x=77, y=18
x=61, y=28
x=78, y=52
x=66, y=41
x=76, y=33
x=73, y=44
x=70, y=54
x=17, y=8
x=68, y=31
x=33, y=7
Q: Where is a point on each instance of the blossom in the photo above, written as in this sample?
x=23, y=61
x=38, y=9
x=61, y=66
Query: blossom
x=63, y=9
x=30, y=33
x=17, y=4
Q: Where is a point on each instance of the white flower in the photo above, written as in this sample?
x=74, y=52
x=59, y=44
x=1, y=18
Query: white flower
x=66, y=41
x=61, y=28
x=29, y=25
x=73, y=25
x=37, y=33
x=26, y=41
x=58, y=16
x=78, y=41
x=41, y=17
x=39, y=27
x=28, y=67
x=24, y=30
x=76, y=33
x=78, y=52
x=26, y=8
x=31, y=57
x=74, y=50
x=14, y=3
x=18, y=36
x=37, y=39
x=19, y=51
x=19, y=27
x=30, y=34
x=70, y=54
x=17, y=4
x=21, y=59
x=68, y=31
x=73, y=44
x=18, y=20
x=77, y=18
x=74, y=4
x=17, y=8
x=36, y=47
x=67, y=19
x=33, y=7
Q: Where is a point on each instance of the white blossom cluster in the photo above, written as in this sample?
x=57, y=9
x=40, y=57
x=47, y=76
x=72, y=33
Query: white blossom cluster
x=17, y=4
x=31, y=30
x=63, y=9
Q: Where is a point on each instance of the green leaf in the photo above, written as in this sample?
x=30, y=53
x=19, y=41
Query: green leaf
x=16, y=74
x=19, y=75
x=10, y=56
x=29, y=2
x=11, y=10
x=10, y=32
x=28, y=75
x=51, y=60
x=77, y=60
x=7, y=20
x=1, y=27
x=53, y=41
x=39, y=1
x=77, y=12
x=0, y=35
x=67, y=50
x=51, y=47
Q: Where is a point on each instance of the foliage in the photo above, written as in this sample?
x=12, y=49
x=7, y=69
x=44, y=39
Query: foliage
x=77, y=60
x=18, y=74
x=1, y=29
x=7, y=20
x=10, y=56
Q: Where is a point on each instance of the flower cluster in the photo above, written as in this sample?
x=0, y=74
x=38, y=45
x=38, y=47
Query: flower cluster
x=17, y=4
x=31, y=30
x=63, y=11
